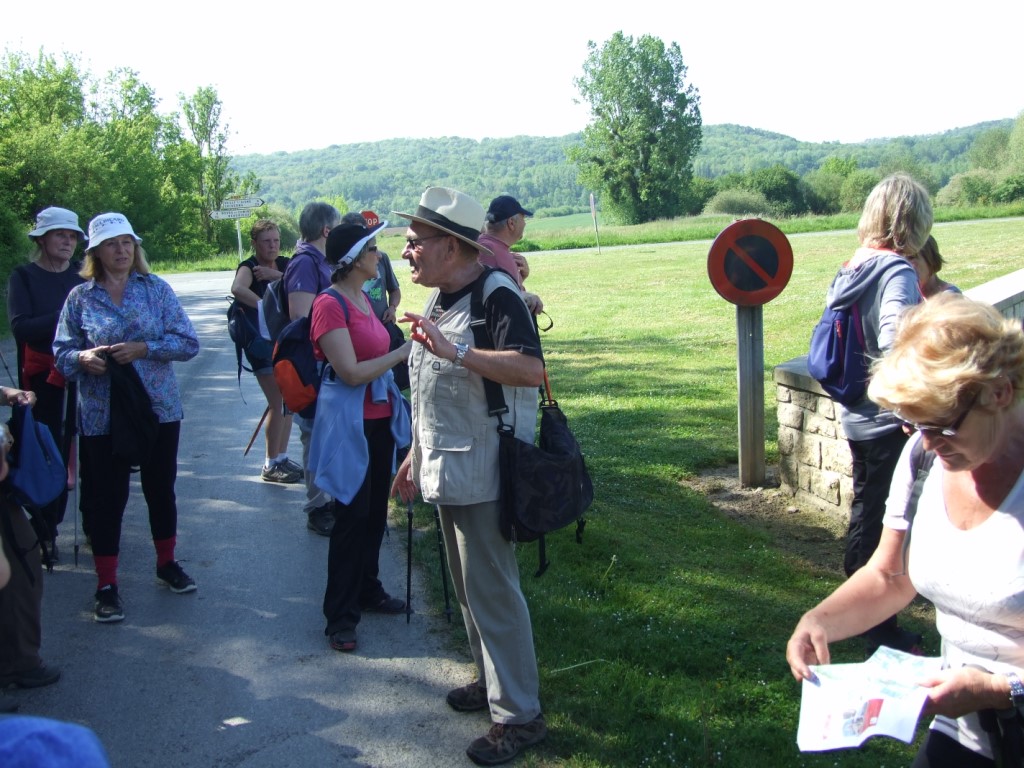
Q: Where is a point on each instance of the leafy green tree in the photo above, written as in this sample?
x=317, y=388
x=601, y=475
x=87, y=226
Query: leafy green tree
x=646, y=128
x=839, y=166
x=856, y=188
x=46, y=145
x=781, y=188
x=215, y=180
x=823, y=186
x=989, y=150
x=1015, y=147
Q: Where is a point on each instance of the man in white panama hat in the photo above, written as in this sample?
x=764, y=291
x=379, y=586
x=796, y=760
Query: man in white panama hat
x=453, y=461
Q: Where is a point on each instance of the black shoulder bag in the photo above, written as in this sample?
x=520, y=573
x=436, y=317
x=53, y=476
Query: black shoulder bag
x=544, y=487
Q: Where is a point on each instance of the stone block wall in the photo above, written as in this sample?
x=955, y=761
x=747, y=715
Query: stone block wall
x=814, y=458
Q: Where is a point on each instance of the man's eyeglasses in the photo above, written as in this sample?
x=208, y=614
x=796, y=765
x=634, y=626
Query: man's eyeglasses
x=415, y=243
x=950, y=431
x=371, y=249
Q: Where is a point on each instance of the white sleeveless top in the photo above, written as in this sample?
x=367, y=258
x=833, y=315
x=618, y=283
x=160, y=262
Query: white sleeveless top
x=974, y=578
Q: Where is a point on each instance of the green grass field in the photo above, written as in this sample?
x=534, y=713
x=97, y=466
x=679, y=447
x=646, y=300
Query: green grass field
x=661, y=638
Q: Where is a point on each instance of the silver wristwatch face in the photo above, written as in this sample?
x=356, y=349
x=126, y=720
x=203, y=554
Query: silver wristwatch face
x=460, y=353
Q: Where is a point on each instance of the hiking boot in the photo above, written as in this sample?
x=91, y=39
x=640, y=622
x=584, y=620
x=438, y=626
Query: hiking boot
x=468, y=698
x=321, y=520
x=504, y=742
x=108, y=605
x=388, y=604
x=34, y=678
x=293, y=467
x=344, y=640
x=280, y=473
x=174, y=577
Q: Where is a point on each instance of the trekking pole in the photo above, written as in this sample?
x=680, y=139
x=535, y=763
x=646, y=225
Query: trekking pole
x=10, y=375
x=408, y=566
x=252, y=439
x=444, y=574
x=77, y=513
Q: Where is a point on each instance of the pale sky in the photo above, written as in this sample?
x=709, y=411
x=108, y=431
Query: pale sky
x=343, y=72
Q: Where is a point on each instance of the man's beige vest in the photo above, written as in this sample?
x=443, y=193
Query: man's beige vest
x=454, y=440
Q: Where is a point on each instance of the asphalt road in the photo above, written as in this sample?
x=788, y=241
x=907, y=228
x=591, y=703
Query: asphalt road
x=239, y=673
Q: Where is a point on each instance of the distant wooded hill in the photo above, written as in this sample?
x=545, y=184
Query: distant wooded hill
x=390, y=175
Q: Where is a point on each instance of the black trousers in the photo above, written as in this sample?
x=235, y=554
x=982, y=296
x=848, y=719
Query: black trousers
x=874, y=462
x=21, y=601
x=940, y=751
x=105, y=485
x=353, y=560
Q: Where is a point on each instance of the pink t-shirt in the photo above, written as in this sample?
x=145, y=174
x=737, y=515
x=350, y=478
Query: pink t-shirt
x=370, y=339
x=502, y=257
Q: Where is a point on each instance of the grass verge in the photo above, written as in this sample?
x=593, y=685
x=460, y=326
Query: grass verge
x=661, y=638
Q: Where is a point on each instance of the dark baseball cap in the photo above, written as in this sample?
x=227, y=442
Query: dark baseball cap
x=504, y=207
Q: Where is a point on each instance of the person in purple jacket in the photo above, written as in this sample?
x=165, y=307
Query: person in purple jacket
x=307, y=274
x=894, y=224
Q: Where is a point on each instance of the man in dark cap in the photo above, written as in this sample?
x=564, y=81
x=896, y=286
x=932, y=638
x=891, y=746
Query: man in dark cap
x=504, y=225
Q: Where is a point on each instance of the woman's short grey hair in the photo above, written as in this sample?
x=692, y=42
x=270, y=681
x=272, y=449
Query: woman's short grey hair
x=316, y=216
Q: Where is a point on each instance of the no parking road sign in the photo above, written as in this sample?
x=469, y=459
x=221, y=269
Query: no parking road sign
x=750, y=262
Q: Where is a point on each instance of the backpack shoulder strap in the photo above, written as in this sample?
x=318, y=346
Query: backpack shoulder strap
x=341, y=301
x=921, y=462
x=496, y=404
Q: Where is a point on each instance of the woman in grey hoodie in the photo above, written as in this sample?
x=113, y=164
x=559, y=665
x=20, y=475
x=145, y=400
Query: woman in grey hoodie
x=895, y=224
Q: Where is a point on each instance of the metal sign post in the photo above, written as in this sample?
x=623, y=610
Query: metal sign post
x=749, y=264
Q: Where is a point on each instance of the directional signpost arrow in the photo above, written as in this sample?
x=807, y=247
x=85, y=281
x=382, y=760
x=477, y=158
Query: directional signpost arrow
x=235, y=213
x=241, y=202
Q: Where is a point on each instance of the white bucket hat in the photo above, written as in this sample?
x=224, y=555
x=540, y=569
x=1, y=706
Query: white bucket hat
x=108, y=225
x=452, y=212
x=56, y=218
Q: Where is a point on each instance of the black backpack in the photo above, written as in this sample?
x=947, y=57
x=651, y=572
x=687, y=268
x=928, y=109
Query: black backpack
x=245, y=335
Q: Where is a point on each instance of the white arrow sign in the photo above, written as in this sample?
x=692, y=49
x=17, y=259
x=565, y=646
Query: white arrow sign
x=236, y=213
x=242, y=202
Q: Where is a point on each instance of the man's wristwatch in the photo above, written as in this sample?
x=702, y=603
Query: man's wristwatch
x=1016, y=690
x=460, y=354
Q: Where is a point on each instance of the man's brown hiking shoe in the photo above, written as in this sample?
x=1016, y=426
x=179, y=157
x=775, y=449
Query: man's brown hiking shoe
x=504, y=742
x=468, y=698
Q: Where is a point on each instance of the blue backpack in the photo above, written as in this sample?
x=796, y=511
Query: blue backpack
x=37, y=473
x=837, y=359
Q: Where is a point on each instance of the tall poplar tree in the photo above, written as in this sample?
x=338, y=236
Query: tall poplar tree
x=638, y=149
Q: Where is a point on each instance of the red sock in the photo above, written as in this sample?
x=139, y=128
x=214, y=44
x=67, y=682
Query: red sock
x=164, y=550
x=106, y=570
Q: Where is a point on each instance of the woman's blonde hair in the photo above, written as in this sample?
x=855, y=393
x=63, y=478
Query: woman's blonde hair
x=947, y=350
x=92, y=267
x=897, y=215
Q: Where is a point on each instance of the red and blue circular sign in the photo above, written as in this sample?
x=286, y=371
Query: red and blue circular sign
x=750, y=262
